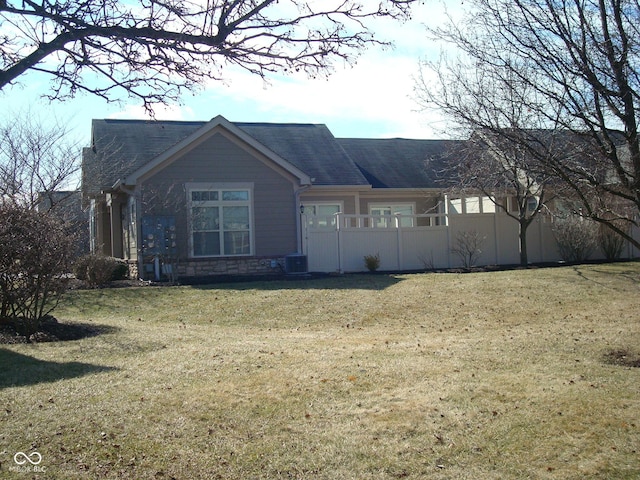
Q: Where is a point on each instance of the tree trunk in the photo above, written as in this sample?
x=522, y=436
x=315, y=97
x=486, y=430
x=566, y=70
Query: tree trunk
x=522, y=234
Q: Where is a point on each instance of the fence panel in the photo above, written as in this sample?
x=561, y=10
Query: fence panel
x=424, y=248
x=341, y=245
x=355, y=243
x=321, y=247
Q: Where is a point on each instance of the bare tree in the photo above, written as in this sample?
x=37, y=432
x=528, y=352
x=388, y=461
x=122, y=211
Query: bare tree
x=154, y=49
x=577, y=66
x=504, y=156
x=38, y=158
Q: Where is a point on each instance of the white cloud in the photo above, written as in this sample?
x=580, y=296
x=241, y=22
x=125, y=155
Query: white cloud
x=372, y=98
x=161, y=112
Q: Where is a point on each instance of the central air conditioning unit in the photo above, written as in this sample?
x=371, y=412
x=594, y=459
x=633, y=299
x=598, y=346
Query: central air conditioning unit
x=295, y=264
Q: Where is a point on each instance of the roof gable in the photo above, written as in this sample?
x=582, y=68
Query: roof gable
x=119, y=147
x=174, y=150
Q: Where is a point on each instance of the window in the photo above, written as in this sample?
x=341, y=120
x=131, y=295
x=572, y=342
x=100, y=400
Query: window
x=455, y=205
x=388, y=211
x=321, y=215
x=220, y=221
x=471, y=205
x=488, y=205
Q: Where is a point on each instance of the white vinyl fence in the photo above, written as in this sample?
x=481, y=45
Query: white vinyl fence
x=339, y=243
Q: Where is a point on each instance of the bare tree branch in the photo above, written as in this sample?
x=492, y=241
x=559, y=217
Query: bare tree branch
x=155, y=49
x=37, y=158
x=575, y=70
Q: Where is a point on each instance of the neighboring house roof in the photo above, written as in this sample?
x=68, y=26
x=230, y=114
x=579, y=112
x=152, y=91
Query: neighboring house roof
x=123, y=149
x=400, y=163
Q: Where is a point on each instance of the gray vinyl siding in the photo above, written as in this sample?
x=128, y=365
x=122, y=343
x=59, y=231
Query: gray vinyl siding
x=220, y=160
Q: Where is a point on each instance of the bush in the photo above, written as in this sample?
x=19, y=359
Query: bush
x=611, y=242
x=35, y=260
x=98, y=270
x=577, y=237
x=372, y=262
x=468, y=247
x=121, y=272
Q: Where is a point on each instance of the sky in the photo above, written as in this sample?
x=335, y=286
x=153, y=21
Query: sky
x=372, y=99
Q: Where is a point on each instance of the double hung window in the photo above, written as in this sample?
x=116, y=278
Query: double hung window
x=220, y=221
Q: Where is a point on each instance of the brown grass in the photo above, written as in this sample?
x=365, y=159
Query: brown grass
x=503, y=375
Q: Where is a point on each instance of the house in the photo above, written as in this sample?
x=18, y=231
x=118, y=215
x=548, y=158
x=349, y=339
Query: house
x=221, y=197
x=198, y=199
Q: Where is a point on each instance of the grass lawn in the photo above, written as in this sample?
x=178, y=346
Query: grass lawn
x=497, y=375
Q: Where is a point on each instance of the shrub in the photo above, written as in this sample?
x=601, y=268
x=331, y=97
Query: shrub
x=610, y=241
x=372, y=262
x=468, y=247
x=98, y=270
x=121, y=272
x=35, y=260
x=577, y=237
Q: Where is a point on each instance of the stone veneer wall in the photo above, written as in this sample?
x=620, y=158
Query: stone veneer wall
x=218, y=266
x=229, y=266
x=133, y=269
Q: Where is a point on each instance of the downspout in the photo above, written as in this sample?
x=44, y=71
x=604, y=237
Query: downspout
x=298, y=211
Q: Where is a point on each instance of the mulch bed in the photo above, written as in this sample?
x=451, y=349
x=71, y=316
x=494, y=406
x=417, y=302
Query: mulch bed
x=50, y=331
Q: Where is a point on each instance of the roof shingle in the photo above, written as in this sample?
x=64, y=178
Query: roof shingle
x=120, y=147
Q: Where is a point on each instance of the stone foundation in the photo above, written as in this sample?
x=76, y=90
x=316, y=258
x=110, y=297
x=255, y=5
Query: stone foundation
x=230, y=266
x=133, y=269
x=211, y=267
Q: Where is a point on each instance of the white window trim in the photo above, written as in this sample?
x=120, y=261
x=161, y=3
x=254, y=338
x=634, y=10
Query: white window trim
x=219, y=186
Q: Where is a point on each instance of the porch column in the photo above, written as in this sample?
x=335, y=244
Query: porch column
x=115, y=209
x=102, y=240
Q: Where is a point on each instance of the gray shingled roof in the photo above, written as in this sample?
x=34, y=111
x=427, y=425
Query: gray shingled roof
x=310, y=147
x=120, y=147
x=400, y=163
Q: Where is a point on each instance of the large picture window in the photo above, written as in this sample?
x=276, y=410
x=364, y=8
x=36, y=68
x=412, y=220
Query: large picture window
x=220, y=221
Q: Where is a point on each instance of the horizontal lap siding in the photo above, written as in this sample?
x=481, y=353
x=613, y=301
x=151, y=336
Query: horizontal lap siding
x=220, y=160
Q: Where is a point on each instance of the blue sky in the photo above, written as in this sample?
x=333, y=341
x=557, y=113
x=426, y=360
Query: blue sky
x=372, y=98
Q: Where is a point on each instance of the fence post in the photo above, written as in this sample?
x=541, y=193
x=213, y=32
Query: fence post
x=447, y=222
x=399, y=239
x=339, y=241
